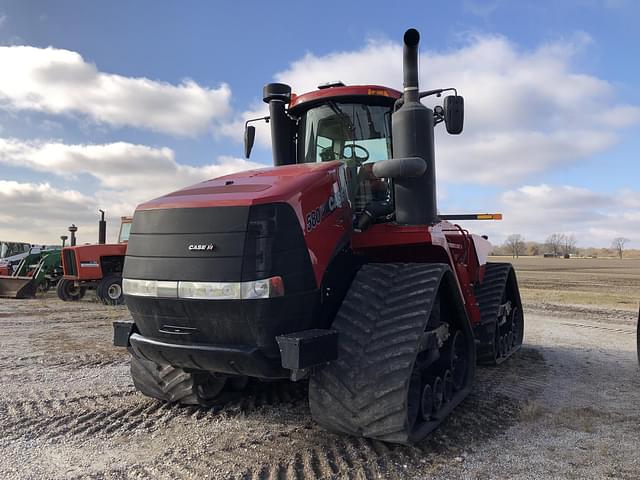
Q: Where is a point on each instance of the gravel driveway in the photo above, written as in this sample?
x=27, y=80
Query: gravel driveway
x=565, y=406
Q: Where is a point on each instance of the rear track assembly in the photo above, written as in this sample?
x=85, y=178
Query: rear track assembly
x=502, y=326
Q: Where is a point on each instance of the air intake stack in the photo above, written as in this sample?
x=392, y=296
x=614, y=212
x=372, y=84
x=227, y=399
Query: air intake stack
x=278, y=95
x=412, y=126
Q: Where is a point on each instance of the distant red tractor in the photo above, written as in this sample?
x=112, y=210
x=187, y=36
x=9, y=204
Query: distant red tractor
x=97, y=266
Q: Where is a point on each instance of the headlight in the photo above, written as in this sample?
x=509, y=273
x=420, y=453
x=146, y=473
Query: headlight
x=209, y=290
x=150, y=288
x=140, y=288
x=267, y=288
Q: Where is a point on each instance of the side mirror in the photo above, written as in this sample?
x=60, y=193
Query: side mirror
x=454, y=114
x=249, y=138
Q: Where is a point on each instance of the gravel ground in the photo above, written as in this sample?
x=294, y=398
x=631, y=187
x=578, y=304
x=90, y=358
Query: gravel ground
x=565, y=406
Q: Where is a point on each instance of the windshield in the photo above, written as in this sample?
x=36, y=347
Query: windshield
x=358, y=133
x=9, y=249
x=125, y=228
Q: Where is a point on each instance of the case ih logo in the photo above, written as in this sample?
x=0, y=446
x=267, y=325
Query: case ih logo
x=209, y=247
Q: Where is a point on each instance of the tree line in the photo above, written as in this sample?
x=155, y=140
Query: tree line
x=556, y=245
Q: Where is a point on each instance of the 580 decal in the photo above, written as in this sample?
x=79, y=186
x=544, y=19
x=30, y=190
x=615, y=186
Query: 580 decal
x=335, y=200
x=314, y=218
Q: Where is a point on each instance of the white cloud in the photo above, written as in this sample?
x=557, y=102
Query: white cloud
x=536, y=211
x=59, y=81
x=40, y=213
x=127, y=175
x=526, y=111
x=483, y=10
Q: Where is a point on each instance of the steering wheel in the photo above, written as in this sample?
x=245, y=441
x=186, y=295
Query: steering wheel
x=327, y=154
x=353, y=147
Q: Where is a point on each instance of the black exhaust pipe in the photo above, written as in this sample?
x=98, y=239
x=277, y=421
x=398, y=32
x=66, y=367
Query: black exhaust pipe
x=412, y=127
x=102, y=229
x=72, y=230
x=410, y=65
x=278, y=95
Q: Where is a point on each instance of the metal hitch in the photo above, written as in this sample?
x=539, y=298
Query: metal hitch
x=122, y=330
x=308, y=348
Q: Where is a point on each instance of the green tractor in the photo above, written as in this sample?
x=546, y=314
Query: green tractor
x=36, y=273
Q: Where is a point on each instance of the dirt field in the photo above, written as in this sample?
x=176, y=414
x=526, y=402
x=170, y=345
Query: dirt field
x=598, y=282
x=565, y=406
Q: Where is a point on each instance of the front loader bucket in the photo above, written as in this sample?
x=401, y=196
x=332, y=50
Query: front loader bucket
x=17, y=287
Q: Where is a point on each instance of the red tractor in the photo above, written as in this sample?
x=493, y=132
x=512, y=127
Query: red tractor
x=332, y=266
x=96, y=266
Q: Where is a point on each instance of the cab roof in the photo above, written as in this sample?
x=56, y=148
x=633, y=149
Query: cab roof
x=344, y=91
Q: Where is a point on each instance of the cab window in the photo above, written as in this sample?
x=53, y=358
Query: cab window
x=357, y=133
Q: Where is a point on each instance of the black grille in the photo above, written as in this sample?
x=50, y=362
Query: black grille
x=248, y=243
x=69, y=262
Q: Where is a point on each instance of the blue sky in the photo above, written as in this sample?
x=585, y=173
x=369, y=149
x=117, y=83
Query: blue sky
x=551, y=95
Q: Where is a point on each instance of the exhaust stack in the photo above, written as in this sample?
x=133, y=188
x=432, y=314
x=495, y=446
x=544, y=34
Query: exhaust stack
x=102, y=229
x=412, y=127
x=72, y=230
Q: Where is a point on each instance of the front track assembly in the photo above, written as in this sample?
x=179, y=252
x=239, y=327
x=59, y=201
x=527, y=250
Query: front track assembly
x=406, y=355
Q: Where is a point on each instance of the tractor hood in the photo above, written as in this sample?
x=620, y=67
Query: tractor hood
x=252, y=187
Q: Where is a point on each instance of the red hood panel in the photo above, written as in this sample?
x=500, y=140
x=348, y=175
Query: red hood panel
x=274, y=184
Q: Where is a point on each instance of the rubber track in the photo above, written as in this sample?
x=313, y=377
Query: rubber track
x=489, y=296
x=163, y=382
x=381, y=319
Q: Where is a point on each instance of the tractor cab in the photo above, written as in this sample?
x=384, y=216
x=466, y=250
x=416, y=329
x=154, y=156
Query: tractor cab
x=351, y=124
x=125, y=229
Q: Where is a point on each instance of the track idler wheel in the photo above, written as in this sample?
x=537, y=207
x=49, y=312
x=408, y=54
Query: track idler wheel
x=438, y=393
x=447, y=387
x=426, y=405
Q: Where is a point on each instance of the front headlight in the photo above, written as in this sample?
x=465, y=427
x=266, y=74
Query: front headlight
x=140, y=288
x=150, y=288
x=209, y=290
x=267, y=288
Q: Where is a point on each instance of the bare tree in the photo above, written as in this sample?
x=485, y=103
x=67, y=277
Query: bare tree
x=554, y=243
x=515, y=244
x=568, y=244
x=618, y=245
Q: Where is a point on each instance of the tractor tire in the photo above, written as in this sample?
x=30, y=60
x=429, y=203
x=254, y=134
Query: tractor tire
x=109, y=290
x=68, y=292
x=501, y=327
x=174, y=385
x=391, y=330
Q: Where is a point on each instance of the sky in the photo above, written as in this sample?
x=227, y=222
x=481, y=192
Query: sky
x=109, y=104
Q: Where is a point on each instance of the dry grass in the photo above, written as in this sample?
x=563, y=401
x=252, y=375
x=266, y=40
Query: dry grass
x=604, y=282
